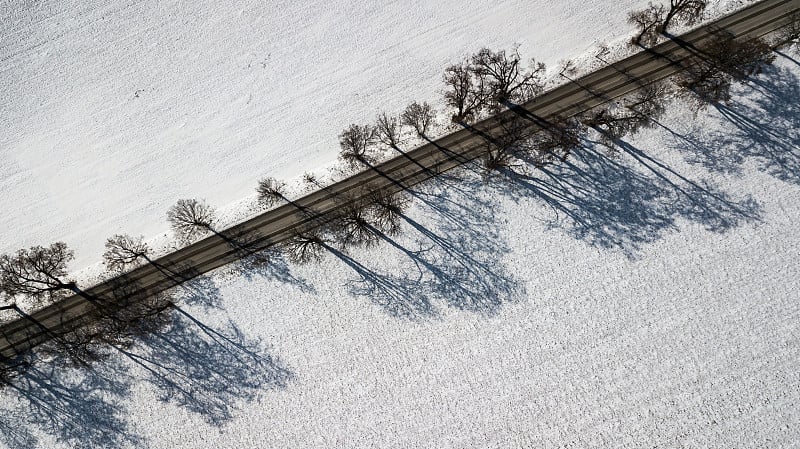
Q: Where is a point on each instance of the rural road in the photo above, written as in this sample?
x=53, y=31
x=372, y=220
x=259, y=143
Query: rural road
x=415, y=166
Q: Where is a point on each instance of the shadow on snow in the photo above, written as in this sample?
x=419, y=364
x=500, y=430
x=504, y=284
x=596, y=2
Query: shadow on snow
x=208, y=370
x=766, y=129
x=456, y=259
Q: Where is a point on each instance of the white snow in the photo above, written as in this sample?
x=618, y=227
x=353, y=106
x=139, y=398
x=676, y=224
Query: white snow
x=650, y=302
x=111, y=111
x=646, y=299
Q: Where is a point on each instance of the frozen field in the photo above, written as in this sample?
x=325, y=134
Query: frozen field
x=643, y=300
x=111, y=111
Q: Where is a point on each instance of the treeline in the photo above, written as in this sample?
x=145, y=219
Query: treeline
x=481, y=85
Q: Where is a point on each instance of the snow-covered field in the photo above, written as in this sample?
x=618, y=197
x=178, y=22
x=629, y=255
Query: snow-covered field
x=643, y=300
x=110, y=111
x=647, y=299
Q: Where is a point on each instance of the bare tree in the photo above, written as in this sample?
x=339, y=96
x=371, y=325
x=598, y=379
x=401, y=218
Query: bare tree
x=464, y=93
x=352, y=225
x=614, y=122
x=724, y=60
x=504, y=77
x=386, y=211
x=37, y=273
x=305, y=246
x=557, y=142
x=687, y=12
x=496, y=158
x=649, y=102
x=513, y=139
x=11, y=368
x=567, y=68
x=270, y=191
x=114, y=321
x=355, y=142
x=6, y=303
x=639, y=109
x=130, y=313
x=388, y=129
x=311, y=181
x=190, y=218
x=421, y=117
x=656, y=19
x=649, y=23
x=123, y=251
x=739, y=59
x=705, y=85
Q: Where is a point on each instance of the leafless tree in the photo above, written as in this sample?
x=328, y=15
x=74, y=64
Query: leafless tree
x=386, y=211
x=504, y=78
x=724, y=60
x=114, y=321
x=496, y=158
x=649, y=23
x=305, y=246
x=270, y=191
x=656, y=19
x=9, y=369
x=388, y=129
x=6, y=303
x=123, y=251
x=355, y=142
x=128, y=313
x=419, y=116
x=38, y=273
x=513, y=139
x=602, y=52
x=352, y=225
x=613, y=122
x=649, y=102
x=639, y=109
x=190, y=218
x=311, y=181
x=705, y=85
x=687, y=12
x=464, y=92
x=556, y=142
x=568, y=68
x=739, y=59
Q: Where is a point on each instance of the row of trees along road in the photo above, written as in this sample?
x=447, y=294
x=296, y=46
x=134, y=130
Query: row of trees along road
x=479, y=85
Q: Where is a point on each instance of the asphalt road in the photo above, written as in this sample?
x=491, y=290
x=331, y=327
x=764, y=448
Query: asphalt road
x=415, y=166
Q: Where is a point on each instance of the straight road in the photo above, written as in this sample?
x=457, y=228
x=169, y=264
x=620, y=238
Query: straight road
x=413, y=167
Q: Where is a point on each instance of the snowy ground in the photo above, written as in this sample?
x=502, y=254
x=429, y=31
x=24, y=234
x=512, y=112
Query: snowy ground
x=643, y=300
x=111, y=111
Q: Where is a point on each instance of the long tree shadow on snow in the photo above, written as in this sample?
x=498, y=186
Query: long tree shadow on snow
x=80, y=407
x=626, y=201
x=208, y=370
x=633, y=200
x=455, y=259
x=466, y=244
x=256, y=262
x=400, y=295
x=765, y=114
x=269, y=264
